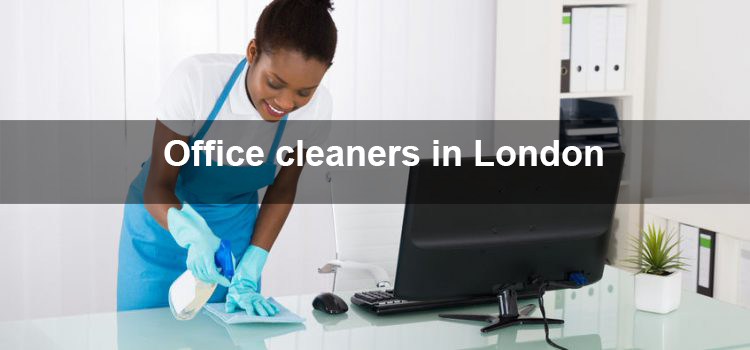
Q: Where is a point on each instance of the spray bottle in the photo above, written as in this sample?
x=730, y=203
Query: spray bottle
x=187, y=294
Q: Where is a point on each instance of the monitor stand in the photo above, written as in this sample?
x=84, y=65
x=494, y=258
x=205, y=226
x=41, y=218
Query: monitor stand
x=509, y=316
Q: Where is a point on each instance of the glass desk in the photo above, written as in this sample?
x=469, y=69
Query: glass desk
x=600, y=316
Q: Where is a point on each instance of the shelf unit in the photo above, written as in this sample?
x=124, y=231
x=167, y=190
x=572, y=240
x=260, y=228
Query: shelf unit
x=527, y=87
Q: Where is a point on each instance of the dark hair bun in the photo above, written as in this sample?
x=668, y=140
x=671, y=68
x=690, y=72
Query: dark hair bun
x=325, y=4
x=303, y=25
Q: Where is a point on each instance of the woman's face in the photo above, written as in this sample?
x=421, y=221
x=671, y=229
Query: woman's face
x=281, y=81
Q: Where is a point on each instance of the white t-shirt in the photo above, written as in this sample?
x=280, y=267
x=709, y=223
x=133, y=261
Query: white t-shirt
x=192, y=89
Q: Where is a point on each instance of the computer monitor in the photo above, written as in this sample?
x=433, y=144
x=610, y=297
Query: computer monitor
x=471, y=231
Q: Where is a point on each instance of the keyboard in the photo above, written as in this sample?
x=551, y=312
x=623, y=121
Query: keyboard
x=384, y=302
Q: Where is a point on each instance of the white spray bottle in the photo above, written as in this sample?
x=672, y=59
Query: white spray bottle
x=188, y=295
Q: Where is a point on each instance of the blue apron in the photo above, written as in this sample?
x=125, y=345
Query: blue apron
x=226, y=196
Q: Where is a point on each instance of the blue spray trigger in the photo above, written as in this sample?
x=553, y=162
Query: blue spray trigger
x=223, y=259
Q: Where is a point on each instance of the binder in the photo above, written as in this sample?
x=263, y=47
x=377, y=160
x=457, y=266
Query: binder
x=609, y=290
x=579, y=48
x=689, y=253
x=616, y=38
x=565, y=51
x=597, y=53
x=706, y=257
x=743, y=290
x=577, y=313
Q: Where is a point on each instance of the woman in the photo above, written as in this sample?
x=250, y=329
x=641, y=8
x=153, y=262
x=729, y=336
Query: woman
x=187, y=210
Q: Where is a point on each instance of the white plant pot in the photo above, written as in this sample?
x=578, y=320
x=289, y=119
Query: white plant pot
x=659, y=294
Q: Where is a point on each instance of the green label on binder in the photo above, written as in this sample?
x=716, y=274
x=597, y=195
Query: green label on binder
x=705, y=242
x=566, y=20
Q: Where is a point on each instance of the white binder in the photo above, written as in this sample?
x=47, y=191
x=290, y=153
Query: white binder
x=689, y=251
x=706, y=259
x=579, y=48
x=597, y=56
x=616, y=37
x=743, y=290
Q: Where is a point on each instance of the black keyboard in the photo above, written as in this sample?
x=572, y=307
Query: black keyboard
x=384, y=302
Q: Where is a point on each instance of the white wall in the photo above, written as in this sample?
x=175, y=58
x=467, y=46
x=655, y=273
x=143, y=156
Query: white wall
x=90, y=59
x=697, y=69
x=60, y=60
x=697, y=60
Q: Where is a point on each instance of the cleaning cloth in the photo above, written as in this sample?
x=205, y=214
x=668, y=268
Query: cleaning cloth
x=284, y=315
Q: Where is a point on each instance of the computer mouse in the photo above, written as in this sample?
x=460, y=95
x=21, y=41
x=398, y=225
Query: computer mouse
x=330, y=303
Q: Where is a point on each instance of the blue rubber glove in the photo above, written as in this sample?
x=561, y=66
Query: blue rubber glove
x=191, y=231
x=244, y=291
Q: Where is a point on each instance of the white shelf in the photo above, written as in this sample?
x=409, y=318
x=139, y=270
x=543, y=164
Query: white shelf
x=596, y=94
x=527, y=84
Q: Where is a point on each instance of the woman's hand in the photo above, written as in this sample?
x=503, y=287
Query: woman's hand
x=191, y=231
x=277, y=203
x=244, y=289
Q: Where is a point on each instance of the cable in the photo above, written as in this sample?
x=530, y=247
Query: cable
x=542, y=287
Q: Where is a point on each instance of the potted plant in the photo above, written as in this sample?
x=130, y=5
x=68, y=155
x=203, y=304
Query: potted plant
x=658, y=283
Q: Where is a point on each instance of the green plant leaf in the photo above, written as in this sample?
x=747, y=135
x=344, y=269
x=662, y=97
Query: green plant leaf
x=656, y=251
